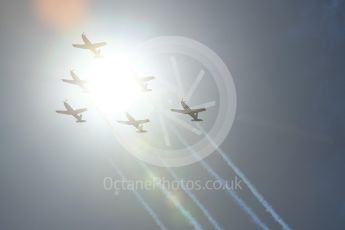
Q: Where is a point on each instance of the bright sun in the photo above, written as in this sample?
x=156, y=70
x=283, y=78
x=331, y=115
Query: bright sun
x=113, y=85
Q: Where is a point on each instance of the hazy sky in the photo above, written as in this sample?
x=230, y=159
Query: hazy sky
x=288, y=137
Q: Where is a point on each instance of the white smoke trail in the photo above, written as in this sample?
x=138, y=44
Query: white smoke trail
x=231, y=192
x=177, y=204
x=196, y=201
x=251, y=187
x=142, y=201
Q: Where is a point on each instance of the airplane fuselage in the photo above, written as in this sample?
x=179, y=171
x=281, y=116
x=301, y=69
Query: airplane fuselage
x=93, y=47
x=71, y=111
x=85, y=39
x=186, y=107
x=138, y=124
x=194, y=113
x=90, y=46
x=76, y=81
x=68, y=107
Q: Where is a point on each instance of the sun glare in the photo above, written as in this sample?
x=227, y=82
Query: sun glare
x=112, y=84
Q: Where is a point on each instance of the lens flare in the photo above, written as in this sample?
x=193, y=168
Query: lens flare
x=60, y=14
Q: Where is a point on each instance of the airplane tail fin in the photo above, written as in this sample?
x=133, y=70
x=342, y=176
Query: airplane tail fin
x=145, y=89
x=98, y=54
x=141, y=131
x=80, y=119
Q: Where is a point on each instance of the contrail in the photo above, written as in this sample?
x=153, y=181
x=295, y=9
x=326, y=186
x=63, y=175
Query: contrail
x=231, y=192
x=142, y=201
x=251, y=187
x=196, y=201
x=177, y=204
x=183, y=211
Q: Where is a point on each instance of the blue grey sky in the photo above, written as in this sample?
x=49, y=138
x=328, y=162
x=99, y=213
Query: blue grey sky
x=286, y=58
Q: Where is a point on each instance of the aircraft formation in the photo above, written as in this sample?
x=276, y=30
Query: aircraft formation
x=142, y=82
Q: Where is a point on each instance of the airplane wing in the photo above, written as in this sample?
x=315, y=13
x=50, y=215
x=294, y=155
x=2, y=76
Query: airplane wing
x=83, y=82
x=180, y=111
x=98, y=45
x=198, y=110
x=77, y=111
x=125, y=122
x=142, y=121
x=80, y=46
x=64, y=112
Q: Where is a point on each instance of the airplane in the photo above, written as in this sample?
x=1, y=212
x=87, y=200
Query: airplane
x=93, y=47
x=76, y=81
x=143, y=82
x=76, y=113
x=138, y=124
x=191, y=112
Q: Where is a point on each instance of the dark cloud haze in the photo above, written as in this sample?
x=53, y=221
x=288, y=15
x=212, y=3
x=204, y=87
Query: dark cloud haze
x=286, y=58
